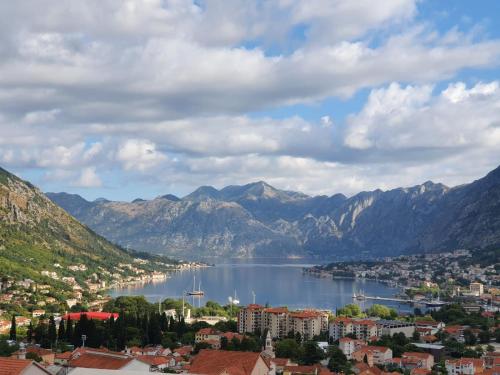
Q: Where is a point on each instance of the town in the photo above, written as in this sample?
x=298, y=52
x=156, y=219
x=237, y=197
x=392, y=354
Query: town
x=133, y=336
x=75, y=287
x=462, y=276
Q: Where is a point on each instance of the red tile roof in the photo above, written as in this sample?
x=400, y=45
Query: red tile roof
x=153, y=360
x=91, y=315
x=305, y=314
x=428, y=323
x=276, y=310
x=302, y=369
x=425, y=356
x=371, y=348
x=343, y=319
x=280, y=361
x=65, y=355
x=214, y=362
x=100, y=361
x=419, y=371
x=184, y=350
x=11, y=366
x=255, y=307
x=208, y=331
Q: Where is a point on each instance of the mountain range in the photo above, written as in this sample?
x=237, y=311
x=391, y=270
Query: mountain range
x=259, y=220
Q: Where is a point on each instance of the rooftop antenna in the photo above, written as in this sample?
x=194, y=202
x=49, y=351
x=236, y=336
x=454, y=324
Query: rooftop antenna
x=253, y=297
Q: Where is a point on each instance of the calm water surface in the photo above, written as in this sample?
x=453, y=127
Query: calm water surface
x=279, y=282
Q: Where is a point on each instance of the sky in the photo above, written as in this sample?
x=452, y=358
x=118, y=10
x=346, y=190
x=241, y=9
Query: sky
x=138, y=98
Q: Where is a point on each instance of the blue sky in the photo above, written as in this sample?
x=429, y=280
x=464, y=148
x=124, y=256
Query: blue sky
x=139, y=99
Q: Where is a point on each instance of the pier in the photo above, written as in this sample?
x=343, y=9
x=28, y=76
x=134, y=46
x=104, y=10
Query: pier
x=362, y=297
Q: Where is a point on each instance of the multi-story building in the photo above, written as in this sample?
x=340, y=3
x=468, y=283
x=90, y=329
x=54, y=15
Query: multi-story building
x=341, y=327
x=373, y=355
x=279, y=321
x=207, y=334
x=275, y=320
x=390, y=327
x=250, y=319
x=464, y=366
x=421, y=360
x=365, y=329
x=428, y=327
x=477, y=289
x=308, y=323
x=349, y=346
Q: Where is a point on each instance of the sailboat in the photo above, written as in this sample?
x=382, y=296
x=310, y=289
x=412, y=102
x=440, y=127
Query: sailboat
x=195, y=292
x=233, y=300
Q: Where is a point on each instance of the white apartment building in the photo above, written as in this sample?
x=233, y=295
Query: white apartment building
x=279, y=321
x=349, y=346
x=464, y=366
x=476, y=289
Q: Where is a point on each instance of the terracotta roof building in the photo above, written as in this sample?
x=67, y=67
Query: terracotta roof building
x=14, y=366
x=216, y=362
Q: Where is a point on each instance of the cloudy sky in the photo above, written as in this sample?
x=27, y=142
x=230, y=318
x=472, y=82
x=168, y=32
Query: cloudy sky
x=124, y=99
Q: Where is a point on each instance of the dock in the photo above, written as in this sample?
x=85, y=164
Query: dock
x=362, y=297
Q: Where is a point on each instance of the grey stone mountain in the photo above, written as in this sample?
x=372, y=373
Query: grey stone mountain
x=260, y=220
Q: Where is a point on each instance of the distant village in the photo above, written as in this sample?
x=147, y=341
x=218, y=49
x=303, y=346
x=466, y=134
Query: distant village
x=27, y=298
x=453, y=276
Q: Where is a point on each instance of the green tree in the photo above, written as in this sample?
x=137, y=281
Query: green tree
x=33, y=356
x=199, y=346
x=484, y=336
x=416, y=336
x=469, y=337
x=223, y=342
x=350, y=310
x=311, y=353
x=337, y=360
x=61, y=332
x=288, y=348
x=154, y=330
x=13, y=329
x=69, y=330
x=29, y=333
x=52, y=331
x=381, y=311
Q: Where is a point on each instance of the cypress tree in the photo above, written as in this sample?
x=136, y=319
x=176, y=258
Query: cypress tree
x=181, y=327
x=145, y=326
x=61, y=332
x=154, y=330
x=52, y=332
x=171, y=325
x=163, y=322
x=29, y=334
x=13, y=329
x=69, y=330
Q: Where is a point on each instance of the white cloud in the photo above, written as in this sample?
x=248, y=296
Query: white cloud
x=88, y=178
x=411, y=118
x=139, y=154
x=141, y=87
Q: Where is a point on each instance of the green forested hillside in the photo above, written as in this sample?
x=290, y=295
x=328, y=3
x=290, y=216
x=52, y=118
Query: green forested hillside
x=37, y=235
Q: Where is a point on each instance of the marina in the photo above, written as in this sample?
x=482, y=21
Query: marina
x=279, y=282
